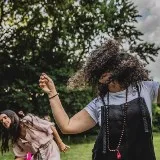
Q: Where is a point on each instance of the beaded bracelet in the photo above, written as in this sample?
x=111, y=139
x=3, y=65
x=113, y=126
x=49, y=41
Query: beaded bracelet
x=54, y=96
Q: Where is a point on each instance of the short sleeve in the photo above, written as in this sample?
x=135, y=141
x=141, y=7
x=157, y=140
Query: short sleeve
x=91, y=108
x=38, y=123
x=152, y=87
x=18, y=152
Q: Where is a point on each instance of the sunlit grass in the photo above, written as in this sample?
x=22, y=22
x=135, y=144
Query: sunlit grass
x=157, y=145
x=82, y=149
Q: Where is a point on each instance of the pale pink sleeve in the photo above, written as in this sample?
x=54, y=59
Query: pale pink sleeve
x=19, y=152
x=38, y=123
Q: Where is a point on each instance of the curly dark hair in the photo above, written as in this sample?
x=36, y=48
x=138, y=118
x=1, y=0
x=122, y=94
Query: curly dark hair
x=125, y=68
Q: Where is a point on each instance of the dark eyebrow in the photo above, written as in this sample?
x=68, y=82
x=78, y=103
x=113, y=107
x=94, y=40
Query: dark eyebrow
x=4, y=117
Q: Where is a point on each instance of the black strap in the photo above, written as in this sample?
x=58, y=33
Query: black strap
x=104, y=121
x=103, y=124
x=143, y=110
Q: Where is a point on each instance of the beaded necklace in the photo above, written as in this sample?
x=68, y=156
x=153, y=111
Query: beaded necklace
x=106, y=128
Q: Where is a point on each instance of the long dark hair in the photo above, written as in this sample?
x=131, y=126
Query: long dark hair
x=11, y=133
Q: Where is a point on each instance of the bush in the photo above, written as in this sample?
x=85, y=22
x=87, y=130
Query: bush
x=156, y=118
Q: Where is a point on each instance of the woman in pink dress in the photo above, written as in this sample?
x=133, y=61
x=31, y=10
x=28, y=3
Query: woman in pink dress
x=30, y=134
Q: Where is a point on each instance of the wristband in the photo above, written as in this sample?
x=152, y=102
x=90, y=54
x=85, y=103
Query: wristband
x=54, y=96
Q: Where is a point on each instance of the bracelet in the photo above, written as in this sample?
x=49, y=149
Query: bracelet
x=54, y=96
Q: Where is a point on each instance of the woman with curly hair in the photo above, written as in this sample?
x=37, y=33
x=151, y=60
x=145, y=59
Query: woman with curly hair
x=122, y=108
x=30, y=134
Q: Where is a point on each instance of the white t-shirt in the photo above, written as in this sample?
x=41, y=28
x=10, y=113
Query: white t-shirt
x=149, y=91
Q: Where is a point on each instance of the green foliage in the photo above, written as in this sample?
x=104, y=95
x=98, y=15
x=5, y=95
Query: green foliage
x=156, y=118
x=55, y=36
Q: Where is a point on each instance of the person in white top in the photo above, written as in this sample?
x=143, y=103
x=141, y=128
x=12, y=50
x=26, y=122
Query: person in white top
x=122, y=107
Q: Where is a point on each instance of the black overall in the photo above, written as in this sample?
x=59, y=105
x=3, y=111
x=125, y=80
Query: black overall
x=137, y=142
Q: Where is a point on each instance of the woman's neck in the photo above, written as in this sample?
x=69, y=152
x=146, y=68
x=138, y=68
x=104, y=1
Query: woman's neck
x=115, y=87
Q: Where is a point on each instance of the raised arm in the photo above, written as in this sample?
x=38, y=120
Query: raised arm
x=80, y=122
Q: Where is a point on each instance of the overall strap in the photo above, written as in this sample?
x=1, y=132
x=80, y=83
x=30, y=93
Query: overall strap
x=103, y=123
x=143, y=110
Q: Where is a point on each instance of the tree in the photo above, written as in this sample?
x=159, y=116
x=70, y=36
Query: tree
x=55, y=36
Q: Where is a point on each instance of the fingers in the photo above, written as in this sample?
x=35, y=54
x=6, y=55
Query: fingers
x=42, y=82
x=43, y=79
x=65, y=149
x=42, y=85
x=46, y=83
x=45, y=76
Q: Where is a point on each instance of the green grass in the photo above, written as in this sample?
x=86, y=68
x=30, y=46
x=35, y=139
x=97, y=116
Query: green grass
x=78, y=152
x=157, y=145
x=82, y=149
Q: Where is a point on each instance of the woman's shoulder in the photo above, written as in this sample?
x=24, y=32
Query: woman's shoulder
x=150, y=84
x=30, y=118
x=96, y=100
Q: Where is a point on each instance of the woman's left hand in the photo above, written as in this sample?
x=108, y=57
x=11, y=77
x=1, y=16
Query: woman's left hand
x=63, y=147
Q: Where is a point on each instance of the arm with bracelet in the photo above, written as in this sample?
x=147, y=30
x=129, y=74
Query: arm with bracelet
x=80, y=122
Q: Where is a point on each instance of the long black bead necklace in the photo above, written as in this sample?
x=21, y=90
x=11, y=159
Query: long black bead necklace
x=123, y=128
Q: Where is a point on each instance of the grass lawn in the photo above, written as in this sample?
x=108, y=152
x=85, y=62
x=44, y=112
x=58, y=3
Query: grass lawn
x=83, y=150
x=157, y=145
